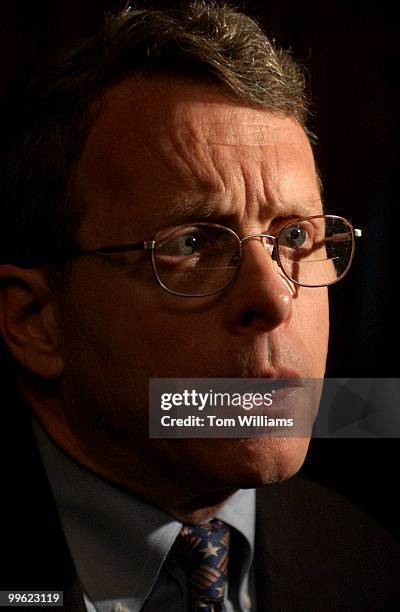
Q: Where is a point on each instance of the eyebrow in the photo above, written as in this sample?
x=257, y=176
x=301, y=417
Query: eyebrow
x=197, y=209
x=193, y=209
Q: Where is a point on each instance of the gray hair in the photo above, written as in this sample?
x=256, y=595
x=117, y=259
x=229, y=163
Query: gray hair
x=47, y=116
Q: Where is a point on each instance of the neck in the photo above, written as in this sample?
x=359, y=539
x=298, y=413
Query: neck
x=184, y=495
x=181, y=497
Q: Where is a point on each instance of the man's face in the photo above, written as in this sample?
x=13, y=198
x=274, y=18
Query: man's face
x=161, y=154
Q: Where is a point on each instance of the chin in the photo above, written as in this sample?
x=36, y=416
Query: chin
x=246, y=463
x=264, y=461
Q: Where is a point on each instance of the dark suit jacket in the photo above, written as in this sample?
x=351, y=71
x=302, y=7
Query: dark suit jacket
x=314, y=550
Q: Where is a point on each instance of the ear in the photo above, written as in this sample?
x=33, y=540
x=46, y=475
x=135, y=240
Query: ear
x=27, y=322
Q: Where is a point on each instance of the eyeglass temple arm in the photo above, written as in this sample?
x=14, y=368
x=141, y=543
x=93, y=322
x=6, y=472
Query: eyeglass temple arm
x=148, y=245
x=340, y=237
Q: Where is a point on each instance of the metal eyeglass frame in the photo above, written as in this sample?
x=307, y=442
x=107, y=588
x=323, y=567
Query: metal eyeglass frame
x=150, y=246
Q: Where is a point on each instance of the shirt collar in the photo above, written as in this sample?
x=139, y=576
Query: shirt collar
x=118, y=533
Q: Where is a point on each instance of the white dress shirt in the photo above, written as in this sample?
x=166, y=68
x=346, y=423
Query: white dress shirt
x=122, y=547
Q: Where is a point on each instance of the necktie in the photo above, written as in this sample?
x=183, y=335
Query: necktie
x=205, y=549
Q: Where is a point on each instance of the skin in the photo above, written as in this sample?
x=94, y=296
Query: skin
x=162, y=152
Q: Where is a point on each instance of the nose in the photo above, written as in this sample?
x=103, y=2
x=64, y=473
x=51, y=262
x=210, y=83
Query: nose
x=261, y=297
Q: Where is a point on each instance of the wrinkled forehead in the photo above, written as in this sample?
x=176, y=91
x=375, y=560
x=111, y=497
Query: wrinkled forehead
x=160, y=139
x=156, y=108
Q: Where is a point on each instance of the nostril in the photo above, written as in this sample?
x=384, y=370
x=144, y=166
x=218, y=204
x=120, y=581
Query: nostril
x=248, y=317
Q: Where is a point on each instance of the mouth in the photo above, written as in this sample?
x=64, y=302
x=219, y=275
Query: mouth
x=281, y=377
x=293, y=398
x=268, y=379
x=283, y=373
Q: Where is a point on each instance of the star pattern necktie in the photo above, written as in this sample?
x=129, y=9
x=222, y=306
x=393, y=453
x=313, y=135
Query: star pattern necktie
x=205, y=549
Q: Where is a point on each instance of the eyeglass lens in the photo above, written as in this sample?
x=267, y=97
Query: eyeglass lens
x=196, y=260
x=316, y=251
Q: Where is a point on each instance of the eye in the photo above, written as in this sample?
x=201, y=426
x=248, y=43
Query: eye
x=184, y=245
x=187, y=245
x=294, y=236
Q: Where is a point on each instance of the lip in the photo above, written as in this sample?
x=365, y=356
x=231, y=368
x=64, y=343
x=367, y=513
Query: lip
x=296, y=398
x=283, y=382
x=285, y=377
x=280, y=372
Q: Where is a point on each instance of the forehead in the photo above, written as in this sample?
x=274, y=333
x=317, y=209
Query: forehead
x=166, y=148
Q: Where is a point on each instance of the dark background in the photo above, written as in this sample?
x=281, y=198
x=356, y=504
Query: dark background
x=351, y=52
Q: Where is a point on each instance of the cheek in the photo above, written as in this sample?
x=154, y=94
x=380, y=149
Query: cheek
x=312, y=321
x=128, y=332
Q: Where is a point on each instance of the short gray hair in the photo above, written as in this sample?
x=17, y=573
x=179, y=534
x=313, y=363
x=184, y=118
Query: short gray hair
x=47, y=117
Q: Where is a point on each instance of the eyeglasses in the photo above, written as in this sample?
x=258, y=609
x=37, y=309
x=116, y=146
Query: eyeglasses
x=201, y=259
